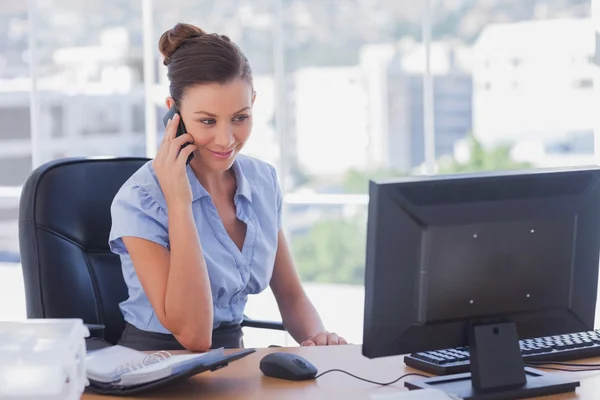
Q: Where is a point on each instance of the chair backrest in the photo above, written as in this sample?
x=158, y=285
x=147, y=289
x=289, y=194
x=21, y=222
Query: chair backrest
x=64, y=224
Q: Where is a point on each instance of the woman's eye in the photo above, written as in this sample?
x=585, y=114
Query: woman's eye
x=209, y=121
x=240, y=118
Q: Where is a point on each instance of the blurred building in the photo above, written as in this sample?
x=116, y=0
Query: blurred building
x=331, y=120
x=374, y=110
x=533, y=88
x=89, y=101
x=68, y=126
x=394, y=77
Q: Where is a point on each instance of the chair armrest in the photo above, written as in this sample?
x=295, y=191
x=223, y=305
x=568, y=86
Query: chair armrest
x=253, y=323
x=95, y=327
x=96, y=330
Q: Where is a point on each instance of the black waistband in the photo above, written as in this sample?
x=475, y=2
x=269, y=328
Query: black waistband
x=226, y=335
x=228, y=327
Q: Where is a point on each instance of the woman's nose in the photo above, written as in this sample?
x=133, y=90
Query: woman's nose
x=224, y=137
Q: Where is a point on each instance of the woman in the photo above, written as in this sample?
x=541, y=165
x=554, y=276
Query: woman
x=195, y=240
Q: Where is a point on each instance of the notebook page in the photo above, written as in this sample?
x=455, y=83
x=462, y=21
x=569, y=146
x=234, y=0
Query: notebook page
x=101, y=365
x=167, y=367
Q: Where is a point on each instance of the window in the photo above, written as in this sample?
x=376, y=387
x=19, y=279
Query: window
x=16, y=121
x=56, y=118
x=14, y=170
x=15, y=151
x=342, y=96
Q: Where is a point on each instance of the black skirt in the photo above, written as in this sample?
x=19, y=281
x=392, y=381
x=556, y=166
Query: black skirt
x=227, y=336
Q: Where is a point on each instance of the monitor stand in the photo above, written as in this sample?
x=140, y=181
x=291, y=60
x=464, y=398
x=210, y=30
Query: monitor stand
x=497, y=369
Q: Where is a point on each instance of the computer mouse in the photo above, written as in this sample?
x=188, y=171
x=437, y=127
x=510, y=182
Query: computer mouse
x=287, y=366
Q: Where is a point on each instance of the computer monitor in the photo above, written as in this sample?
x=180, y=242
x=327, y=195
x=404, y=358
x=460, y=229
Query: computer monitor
x=482, y=260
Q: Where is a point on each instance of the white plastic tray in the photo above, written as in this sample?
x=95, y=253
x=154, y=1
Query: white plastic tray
x=43, y=359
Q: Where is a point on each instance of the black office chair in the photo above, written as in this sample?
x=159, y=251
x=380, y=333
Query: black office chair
x=64, y=223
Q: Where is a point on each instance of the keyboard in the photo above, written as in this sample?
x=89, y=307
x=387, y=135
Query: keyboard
x=568, y=347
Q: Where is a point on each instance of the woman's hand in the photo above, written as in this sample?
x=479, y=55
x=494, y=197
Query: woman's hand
x=324, y=339
x=170, y=165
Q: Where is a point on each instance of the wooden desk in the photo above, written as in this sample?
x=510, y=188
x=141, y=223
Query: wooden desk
x=243, y=380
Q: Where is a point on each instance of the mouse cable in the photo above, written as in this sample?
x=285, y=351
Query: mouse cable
x=369, y=381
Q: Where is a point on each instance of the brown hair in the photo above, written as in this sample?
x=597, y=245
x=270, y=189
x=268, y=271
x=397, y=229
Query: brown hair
x=194, y=57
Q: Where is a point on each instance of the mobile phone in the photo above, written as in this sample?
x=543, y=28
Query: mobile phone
x=180, y=129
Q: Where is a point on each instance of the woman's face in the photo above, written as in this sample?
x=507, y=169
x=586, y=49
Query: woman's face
x=219, y=118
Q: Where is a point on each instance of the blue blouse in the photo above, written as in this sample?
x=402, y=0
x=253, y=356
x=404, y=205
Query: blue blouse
x=139, y=209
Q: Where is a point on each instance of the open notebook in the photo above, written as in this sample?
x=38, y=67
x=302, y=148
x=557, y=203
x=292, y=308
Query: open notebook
x=119, y=368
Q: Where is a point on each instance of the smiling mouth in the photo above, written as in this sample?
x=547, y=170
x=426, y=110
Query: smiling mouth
x=221, y=154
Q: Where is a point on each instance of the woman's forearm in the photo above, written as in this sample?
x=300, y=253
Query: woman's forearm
x=301, y=318
x=188, y=297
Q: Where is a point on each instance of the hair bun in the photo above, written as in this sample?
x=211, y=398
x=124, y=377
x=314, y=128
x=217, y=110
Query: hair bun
x=172, y=39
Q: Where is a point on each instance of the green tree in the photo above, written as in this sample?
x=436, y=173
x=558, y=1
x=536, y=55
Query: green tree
x=482, y=159
x=333, y=251
x=357, y=182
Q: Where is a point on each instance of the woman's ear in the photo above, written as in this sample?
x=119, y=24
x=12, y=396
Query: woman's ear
x=170, y=102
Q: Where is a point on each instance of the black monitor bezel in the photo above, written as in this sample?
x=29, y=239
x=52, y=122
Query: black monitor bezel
x=394, y=229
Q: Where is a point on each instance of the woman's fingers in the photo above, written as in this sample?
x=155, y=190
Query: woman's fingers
x=171, y=129
x=170, y=132
x=185, y=152
x=175, y=146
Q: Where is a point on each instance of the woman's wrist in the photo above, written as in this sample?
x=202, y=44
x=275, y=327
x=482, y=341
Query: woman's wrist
x=177, y=208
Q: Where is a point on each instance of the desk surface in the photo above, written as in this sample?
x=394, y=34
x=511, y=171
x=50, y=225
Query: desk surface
x=242, y=379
